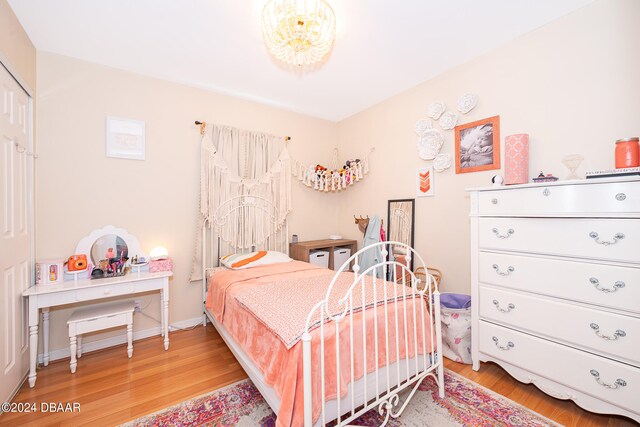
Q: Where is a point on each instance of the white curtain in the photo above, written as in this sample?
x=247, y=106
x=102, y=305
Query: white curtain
x=236, y=162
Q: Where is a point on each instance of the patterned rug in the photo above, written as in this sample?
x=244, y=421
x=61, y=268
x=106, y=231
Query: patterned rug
x=465, y=404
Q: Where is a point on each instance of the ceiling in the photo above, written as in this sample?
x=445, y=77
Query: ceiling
x=382, y=47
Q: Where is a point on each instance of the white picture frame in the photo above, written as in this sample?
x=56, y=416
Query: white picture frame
x=125, y=138
x=424, y=182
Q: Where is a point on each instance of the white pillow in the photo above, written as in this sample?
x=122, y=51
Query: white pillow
x=253, y=259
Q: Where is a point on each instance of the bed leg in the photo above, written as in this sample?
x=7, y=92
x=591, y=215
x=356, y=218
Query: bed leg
x=204, y=320
x=439, y=361
x=306, y=369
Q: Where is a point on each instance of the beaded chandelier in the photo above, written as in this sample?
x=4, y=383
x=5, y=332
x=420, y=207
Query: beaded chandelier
x=299, y=32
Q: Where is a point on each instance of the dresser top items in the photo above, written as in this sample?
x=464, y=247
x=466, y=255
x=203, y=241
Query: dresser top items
x=558, y=183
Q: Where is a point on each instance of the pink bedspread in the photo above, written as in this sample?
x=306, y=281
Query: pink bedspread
x=301, y=295
x=282, y=367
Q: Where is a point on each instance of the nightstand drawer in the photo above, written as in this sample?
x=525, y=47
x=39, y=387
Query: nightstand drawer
x=599, y=284
x=564, y=365
x=598, y=198
x=614, y=335
x=605, y=239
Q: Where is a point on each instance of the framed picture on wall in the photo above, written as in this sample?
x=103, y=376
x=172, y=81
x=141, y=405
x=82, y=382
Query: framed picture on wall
x=478, y=145
x=125, y=138
x=424, y=182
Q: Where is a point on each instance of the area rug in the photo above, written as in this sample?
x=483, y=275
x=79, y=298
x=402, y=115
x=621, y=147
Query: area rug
x=465, y=404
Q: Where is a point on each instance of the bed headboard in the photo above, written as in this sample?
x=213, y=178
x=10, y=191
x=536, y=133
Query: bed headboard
x=243, y=224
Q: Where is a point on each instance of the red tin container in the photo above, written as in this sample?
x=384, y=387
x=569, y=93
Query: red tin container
x=627, y=153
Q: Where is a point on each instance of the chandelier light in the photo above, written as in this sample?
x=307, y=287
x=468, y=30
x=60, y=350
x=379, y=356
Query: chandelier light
x=298, y=32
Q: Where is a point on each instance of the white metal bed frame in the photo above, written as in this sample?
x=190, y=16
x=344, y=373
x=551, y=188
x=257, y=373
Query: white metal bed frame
x=379, y=388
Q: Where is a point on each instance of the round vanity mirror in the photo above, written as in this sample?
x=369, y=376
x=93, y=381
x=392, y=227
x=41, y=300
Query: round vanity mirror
x=107, y=243
x=108, y=246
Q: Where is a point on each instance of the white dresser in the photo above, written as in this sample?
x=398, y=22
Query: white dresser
x=555, y=272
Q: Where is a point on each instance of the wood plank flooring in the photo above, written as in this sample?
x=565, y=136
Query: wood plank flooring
x=113, y=389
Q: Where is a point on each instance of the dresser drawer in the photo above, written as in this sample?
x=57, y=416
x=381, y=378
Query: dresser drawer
x=614, y=335
x=605, y=239
x=116, y=289
x=600, y=284
x=597, y=198
x=564, y=365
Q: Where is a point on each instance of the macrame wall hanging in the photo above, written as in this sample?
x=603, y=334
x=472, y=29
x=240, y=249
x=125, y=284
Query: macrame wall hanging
x=335, y=178
x=234, y=163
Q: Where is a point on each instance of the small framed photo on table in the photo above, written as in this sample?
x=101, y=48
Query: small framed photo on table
x=478, y=145
x=125, y=138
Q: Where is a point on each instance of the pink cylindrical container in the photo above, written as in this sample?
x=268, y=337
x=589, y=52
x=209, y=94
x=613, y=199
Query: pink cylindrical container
x=516, y=164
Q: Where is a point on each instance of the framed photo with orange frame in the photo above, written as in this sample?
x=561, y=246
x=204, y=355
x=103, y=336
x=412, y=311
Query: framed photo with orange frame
x=478, y=145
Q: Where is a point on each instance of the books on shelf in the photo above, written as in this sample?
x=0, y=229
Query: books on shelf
x=613, y=172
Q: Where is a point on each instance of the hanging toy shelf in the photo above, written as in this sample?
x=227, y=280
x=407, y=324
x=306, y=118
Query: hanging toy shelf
x=334, y=179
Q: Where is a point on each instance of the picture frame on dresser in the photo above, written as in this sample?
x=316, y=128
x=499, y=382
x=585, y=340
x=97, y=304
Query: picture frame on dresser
x=567, y=249
x=477, y=145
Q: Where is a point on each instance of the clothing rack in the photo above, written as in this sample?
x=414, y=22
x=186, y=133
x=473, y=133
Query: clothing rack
x=203, y=127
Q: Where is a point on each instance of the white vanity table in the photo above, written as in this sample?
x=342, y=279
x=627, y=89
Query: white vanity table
x=44, y=296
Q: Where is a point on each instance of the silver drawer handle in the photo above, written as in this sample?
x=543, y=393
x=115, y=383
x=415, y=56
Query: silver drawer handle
x=503, y=236
x=546, y=192
x=617, y=334
x=510, y=270
x=620, y=197
x=494, y=201
x=617, y=384
x=616, y=237
x=618, y=285
x=509, y=345
x=510, y=307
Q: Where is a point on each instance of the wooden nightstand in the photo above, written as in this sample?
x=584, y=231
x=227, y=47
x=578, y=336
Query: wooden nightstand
x=301, y=250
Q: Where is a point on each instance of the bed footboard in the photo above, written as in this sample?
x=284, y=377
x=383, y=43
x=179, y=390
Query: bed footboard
x=397, y=348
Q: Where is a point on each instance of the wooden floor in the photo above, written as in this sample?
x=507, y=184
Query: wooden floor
x=113, y=389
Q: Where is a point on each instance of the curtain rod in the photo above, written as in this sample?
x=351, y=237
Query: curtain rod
x=203, y=126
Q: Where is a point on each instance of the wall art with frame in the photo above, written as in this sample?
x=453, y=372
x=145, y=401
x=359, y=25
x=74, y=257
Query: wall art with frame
x=424, y=182
x=125, y=138
x=477, y=145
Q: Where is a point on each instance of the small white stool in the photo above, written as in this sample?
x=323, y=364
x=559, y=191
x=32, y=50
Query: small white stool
x=97, y=318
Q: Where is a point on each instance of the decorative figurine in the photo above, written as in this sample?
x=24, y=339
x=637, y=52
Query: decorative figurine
x=545, y=178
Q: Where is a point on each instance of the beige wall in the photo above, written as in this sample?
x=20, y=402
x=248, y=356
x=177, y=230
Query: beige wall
x=16, y=48
x=80, y=189
x=573, y=85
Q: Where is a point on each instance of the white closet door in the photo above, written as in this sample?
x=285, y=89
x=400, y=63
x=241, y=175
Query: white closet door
x=16, y=183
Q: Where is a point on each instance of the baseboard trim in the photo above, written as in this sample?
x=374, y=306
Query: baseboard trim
x=64, y=353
